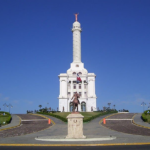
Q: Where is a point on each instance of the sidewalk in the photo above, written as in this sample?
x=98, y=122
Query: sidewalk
x=138, y=120
x=14, y=122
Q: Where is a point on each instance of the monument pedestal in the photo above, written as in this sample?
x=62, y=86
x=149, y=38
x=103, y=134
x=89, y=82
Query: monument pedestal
x=75, y=126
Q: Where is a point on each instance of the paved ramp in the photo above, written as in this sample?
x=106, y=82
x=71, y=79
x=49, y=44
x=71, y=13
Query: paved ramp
x=29, y=124
x=126, y=126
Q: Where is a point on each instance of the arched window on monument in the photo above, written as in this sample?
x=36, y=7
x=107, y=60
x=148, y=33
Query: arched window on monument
x=74, y=73
x=79, y=86
x=71, y=107
x=83, y=106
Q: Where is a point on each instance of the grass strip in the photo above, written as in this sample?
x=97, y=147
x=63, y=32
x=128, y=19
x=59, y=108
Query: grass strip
x=5, y=118
x=88, y=116
x=146, y=116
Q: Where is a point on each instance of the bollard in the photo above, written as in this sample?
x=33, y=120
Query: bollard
x=49, y=121
x=104, y=121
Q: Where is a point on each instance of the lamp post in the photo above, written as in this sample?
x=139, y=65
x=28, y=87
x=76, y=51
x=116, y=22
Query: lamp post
x=114, y=107
x=143, y=104
x=149, y=106
x=4, y=106
x=10, y=106
x=47, y=106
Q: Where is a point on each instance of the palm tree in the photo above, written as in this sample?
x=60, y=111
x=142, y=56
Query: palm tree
x=114, y=107
x=104, y=108
x=109, y=105
x=40, y=106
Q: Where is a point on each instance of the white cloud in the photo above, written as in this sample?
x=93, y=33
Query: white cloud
x=135, y=99
x=29, y=102
x=6, y=98
x=15, y=101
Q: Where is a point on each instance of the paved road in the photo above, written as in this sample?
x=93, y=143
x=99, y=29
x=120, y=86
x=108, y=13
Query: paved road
x=92, y=130
x=14, y=122
x=135, y=147
x=138, y=120
x=26, y=127
x=125, y=126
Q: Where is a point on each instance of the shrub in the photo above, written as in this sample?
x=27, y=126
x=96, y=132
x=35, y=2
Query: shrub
x=8, y=120
x=144, y=117
x=53, y=115
x=84, y=120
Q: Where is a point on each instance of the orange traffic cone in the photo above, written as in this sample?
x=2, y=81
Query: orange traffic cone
x=49, y=121
x=104, y=121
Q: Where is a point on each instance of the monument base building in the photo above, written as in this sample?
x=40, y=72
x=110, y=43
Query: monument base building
x=69, y=84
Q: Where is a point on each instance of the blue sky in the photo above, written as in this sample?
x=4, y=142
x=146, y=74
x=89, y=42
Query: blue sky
x=36, y=46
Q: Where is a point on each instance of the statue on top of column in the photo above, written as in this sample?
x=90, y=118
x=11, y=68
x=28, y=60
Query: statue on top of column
x=76, y=16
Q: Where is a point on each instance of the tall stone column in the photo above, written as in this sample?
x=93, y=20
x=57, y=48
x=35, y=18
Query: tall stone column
x=76, y=42
x=77, y=88
x=93, y=87
x=89, y=88
x=60, y=95
x=64, y=88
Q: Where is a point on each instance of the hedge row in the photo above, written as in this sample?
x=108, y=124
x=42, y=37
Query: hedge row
x=85, y=120
x=98, y=115
x=8, y=119
x=8, y=115
x=147, y=112
x=144, y=117
x=53, y=115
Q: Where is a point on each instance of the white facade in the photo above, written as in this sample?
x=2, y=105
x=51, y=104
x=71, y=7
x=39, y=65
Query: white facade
x=68, y=84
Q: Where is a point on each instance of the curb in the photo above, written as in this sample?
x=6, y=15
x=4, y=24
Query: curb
x=45, y=118
x=42, y=129
x=20, y=124
x=107, y=117
x=65, y=145
x=139, y=124
x=100, y=122
x=13, y=126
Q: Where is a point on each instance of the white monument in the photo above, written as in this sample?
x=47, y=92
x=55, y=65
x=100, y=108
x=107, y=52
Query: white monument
x=68, y=81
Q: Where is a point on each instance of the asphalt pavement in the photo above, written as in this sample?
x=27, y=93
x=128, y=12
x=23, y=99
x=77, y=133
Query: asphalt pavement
x=91, y=130
x=138, y=120
x=14, y=122
x=125, y=147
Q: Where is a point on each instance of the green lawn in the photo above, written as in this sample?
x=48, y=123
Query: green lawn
x=146, y=116
x=4, y=118
x=88, y=116
x=85, y=114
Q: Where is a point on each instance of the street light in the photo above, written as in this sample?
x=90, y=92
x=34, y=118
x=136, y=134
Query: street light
x=47, y=106
x=114, y=107
x=4, y=106
x=10, y=106
x=143, y=104
x=149, y=106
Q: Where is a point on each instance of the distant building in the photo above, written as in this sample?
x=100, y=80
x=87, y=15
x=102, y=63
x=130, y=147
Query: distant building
x=68, y=81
